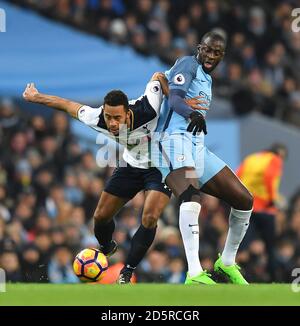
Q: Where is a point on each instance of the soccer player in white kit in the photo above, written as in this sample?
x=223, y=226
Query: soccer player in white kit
x=130, y=123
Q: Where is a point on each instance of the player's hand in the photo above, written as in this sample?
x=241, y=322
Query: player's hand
x=30, y=94
x=196, y=103
x=158, y=76
x=197, y=123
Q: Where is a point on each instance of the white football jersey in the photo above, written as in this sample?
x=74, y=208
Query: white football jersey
x=144, y=117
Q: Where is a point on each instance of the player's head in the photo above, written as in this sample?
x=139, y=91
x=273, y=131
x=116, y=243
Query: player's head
x=211, y=50
x=279, y=149
x=115, y=110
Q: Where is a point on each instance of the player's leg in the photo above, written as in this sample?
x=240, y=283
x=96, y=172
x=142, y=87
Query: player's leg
x=184, y=183
x=155, y=203
x=226, y=186
x=177, y=165
x=120, y=188
x=104, y=225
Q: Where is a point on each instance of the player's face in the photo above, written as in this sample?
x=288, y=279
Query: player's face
x=115, y=117
x=210, y=53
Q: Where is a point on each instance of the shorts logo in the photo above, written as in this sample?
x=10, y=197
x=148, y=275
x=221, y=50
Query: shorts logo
x=179, y=79
x=81, y=111
x=181, y=158
x=166, y=187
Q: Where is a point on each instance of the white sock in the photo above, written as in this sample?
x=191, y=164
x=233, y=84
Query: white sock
x=189, y=228
x=238, y=225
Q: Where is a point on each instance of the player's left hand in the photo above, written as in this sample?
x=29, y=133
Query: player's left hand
x=196, y=103
x=197, y=123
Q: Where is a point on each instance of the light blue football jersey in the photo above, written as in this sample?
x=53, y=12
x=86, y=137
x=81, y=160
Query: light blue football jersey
x=187, y=75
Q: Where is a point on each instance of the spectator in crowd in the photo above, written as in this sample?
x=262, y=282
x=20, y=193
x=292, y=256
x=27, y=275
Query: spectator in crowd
x=10, y=263
x=60, y=267
x=258, y=73
x=261, y=173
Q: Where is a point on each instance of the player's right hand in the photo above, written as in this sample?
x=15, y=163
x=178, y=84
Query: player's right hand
x=30, y=93
x=196, y=103
x=197, y=123
x=158, y=76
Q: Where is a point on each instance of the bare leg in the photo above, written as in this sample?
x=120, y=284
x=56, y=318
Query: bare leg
x=154, y=205
x=226, y=186
x=108, y=206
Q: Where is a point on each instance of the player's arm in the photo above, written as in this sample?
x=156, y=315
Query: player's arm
x=196, y=103
x=31, y=94
x=181, y=76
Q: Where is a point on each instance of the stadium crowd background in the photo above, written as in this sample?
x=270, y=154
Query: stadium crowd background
x=49, y=186
x=262, y=57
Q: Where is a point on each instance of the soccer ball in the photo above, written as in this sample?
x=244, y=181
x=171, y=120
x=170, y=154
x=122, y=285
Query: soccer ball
x=90, y=265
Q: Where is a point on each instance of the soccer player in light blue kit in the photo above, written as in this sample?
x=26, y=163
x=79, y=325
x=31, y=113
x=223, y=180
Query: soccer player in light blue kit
x=189, y=167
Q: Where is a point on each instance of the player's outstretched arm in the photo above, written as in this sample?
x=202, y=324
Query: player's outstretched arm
x=31, y=94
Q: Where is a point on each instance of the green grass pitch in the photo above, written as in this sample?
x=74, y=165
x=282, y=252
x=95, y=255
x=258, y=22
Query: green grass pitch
x=148, y=295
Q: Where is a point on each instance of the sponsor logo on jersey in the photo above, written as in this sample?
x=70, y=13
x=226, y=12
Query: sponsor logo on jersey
x=179, y=79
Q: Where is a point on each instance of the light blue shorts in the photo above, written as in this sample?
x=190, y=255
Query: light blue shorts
x=185, y=150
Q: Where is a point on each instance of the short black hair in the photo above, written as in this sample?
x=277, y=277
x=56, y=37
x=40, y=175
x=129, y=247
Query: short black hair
x=215, y=37
x=115, y=98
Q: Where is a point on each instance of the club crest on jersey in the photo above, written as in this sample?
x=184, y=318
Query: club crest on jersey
x=179, y=79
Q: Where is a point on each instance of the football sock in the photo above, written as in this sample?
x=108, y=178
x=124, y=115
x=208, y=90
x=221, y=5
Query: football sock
x=189, y=228
x=238, y=225
x=140, y=243
x=103, y=233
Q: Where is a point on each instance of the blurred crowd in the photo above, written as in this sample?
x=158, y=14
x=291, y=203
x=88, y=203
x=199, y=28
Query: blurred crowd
x=259, y=72
x=50, y=186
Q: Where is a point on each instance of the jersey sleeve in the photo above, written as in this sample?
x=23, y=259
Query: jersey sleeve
x=182, y=73
x=153, y=93
x=89, y=116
